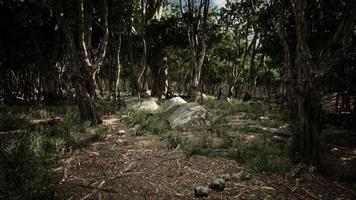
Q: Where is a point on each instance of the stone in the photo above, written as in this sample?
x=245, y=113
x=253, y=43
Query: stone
x=142, y=104
x=201, y=191
x=146, y=93
x=268, y=192
x=236, y=176
x=226, y=177
x=270, y=130
x=217, y=184
x=176, y=101
x=122, y=131
x=264, y=118
x=135, y=130
x=189, y=116
x=225, y=98
x=245, y=176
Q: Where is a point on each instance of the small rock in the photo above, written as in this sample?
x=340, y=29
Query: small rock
x=226, y=177
x=124, y=116
x=268, y=192
x=201, y=191
x=237, y=176
x=135, y=130
x=217, y=184
x=246, y=176
x=264, y=118
x=122, y=131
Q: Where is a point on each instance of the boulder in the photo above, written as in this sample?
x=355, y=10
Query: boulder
x=176, y=101
x=141, y=104
x=189, y=116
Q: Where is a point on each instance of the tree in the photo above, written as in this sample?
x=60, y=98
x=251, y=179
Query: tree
x=311, y=65
x=85, y=65
x=196, y=16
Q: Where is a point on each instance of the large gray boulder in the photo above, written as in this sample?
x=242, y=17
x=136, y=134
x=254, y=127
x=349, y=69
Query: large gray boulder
x=176, y=101
x=142, y=104
x=189, y=116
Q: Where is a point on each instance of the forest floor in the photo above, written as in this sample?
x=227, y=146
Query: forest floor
x=47, y=153
x=129, y=166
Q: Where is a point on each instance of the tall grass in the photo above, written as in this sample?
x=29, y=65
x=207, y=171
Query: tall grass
x=27, y=160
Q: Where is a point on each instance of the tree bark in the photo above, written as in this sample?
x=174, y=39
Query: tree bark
x=310, y=72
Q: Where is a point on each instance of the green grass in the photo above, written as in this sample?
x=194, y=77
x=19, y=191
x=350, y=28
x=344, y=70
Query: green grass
x=147, y=121
x=27, y=160
x=260, y=154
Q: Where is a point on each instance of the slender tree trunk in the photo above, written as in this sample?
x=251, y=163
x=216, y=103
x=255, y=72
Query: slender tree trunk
x=86, y=104
x=117, y=71
x=197, y=24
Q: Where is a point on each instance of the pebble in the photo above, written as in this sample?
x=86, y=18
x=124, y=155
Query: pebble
x=237, y=176
x=246, y=176
x=201, y=191
x=217, y=184
x=268, y=193
x=226, y=177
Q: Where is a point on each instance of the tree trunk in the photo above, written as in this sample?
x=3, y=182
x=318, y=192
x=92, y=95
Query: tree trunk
x=86, y=104
x=309, y=125
x=197, y=24
x=117, y=71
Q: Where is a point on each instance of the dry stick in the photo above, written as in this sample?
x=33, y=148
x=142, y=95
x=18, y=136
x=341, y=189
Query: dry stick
x=292, y=190
x=193, y=170
x=95, y=191
x=310, y=194
x=98, y=188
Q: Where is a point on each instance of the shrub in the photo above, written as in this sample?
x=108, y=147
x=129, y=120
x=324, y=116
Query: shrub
x=174, y=141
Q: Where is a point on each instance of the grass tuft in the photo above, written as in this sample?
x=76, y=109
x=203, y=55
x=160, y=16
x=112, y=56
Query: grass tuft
x=152, y=122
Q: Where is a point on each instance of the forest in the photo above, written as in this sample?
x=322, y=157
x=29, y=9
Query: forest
x=178, y=99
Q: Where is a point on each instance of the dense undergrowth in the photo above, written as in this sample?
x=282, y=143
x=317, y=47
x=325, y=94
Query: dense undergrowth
x=28, y=157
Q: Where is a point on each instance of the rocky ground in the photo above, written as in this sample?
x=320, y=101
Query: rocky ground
x=125, y=166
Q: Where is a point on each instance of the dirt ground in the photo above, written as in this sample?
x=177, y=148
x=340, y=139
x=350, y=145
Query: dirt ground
x=142, y=167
